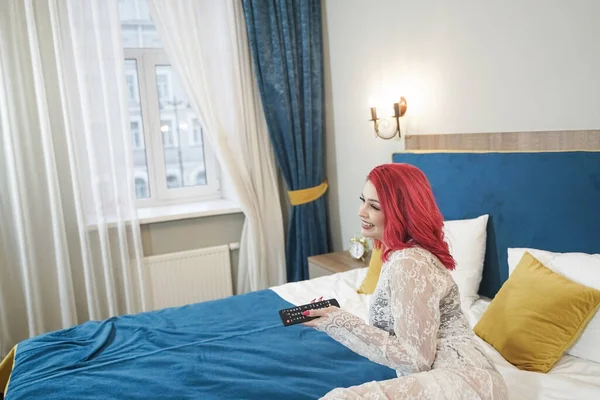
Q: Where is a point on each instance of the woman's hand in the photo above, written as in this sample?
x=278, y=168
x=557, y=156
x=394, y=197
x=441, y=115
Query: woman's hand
x=319, y=312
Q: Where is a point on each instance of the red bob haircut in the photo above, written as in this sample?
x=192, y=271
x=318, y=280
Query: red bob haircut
x=412, y=217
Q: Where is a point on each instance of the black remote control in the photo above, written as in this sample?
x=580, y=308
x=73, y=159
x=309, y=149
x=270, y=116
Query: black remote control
x=293, y=315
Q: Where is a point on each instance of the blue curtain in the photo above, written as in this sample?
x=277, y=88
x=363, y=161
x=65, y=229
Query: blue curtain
x=287, y=51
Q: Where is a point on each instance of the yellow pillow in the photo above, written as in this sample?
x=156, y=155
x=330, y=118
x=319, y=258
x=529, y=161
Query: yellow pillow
x=536, y=316
x=370, y=282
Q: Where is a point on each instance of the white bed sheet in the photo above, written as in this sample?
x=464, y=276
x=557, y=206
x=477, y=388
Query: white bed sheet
x=343, y=287
x=570, y=379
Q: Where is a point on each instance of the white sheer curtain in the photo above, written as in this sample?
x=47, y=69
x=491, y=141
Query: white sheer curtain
x=206, y=43
x=70, y=247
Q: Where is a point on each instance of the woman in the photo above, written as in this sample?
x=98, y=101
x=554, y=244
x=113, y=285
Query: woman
x=417, y=327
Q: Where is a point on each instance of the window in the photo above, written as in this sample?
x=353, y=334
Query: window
x=171, y=163
x=131, y=87
x=136, y=136
x=196, y=135
x=172, y=182
x=201, y=178
x=137, y=28
x=169, y=134
x=163, y=85
x=140, y=160
x=141, y=188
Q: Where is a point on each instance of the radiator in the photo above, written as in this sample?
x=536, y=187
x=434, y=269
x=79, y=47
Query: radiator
x=188, y=277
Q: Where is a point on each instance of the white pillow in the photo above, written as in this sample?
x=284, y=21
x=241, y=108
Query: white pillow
x=578, y=267
x=466, y=239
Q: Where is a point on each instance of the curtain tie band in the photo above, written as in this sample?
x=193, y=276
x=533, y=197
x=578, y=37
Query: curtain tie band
x=6, y=367
x=304, y=196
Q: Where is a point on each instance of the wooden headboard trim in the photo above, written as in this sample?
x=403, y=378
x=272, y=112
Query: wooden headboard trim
x=507, y=141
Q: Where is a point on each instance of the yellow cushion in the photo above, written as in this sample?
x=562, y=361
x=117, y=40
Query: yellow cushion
x=536, y=316
x=370, y=282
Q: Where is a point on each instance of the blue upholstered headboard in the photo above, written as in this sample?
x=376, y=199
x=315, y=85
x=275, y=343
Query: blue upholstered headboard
x=547, y=200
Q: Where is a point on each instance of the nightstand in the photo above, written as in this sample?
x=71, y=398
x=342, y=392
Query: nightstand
x=332, y=263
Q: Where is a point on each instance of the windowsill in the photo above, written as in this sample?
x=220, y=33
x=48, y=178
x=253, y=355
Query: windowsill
x=175, y=212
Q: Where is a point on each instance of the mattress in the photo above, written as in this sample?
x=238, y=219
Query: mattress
x=570, y=379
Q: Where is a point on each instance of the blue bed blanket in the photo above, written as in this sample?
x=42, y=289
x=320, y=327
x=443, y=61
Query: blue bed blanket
x=234, y=348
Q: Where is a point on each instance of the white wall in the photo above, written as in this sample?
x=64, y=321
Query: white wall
x=463, y=66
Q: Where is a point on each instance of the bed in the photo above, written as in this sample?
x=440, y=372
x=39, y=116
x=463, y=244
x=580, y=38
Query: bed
x=542, y=191
x=237, y=348
x=570, y=379
x=323, y=364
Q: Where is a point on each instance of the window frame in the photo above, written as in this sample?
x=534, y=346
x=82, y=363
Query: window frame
x=147, y=59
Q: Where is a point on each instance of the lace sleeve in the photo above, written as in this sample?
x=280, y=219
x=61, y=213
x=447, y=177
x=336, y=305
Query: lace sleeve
x=416, y=287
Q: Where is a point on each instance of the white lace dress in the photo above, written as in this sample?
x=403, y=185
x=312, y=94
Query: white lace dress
x=417, y=328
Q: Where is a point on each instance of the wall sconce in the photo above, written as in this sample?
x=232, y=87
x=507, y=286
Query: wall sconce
x=386, y=128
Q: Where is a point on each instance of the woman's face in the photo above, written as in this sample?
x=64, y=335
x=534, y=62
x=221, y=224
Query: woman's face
x=370, y=213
